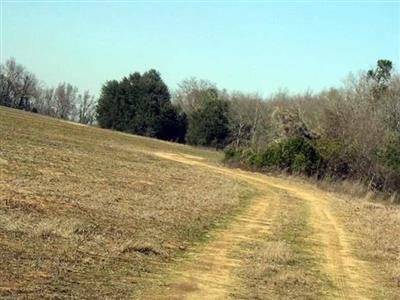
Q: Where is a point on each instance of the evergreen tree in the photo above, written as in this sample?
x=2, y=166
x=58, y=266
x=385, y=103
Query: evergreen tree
x=107, y=105
x=140, y=104
x=381, y=76
x=209, y=125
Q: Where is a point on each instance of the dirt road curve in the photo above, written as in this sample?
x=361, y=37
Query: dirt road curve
x=209, y=272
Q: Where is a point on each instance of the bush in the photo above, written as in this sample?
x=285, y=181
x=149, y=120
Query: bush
x=300, y=163
x=232, y=153
x=391, y=152
x=256, y=160
x=336, y=160
x=272, y=155
x=298, y=154
x=294, y=154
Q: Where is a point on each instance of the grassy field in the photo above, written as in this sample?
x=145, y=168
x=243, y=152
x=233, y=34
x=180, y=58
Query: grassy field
x=97, y=214
x=86, y=212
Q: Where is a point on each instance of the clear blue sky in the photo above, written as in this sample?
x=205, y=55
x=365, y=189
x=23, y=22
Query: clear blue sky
x=253, y=46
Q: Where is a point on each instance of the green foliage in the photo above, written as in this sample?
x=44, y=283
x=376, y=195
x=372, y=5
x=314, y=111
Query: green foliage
x=232, y=153
x=336, y=159
x=382, y=72
x=380, y=75
x=328, y=148
x=255, y=159
x=209, y=124
x=108, y=105
x=269, y=157
x=291, y=148
x=391, y=152
x=294, y=155
x=140, y=104
x=300, y=163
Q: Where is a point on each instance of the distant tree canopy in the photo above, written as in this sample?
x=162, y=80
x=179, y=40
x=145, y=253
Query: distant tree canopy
x=20, y=89
x=208, y=123
x=140, y=104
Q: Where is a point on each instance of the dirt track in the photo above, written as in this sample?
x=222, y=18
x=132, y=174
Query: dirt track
x=208, y=274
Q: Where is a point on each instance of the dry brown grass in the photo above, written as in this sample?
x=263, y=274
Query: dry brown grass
x=86, y=212
x=357, y=189
x=281, y=265
x=376, y=228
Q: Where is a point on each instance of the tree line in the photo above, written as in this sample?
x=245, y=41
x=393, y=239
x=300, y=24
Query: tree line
x=352, y=131
x=348, y=132
x=20, y=89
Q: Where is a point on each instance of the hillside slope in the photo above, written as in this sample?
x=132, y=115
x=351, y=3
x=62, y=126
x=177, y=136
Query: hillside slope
x=86, y=212
x=293, y=241
x=91, y=213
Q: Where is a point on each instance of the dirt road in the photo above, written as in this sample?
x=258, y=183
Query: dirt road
x=209, y=271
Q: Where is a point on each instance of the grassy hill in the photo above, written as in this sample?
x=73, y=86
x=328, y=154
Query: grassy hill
x=87, y=212
x=97, y=214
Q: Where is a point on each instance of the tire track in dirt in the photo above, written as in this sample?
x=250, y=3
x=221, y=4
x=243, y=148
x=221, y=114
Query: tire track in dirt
x=209, y=276
x=350, y=275
x=207, y=272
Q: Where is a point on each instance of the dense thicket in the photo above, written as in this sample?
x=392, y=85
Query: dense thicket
x=140, y=104
x=20, y=89
x=348, y=132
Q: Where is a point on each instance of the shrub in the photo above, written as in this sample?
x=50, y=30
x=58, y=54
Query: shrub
x=300, y=163
x=232, y=153
x=297, y=152
x=256, y=160
x=336, y=161
x=272, y=155
x=294, y=154
x=391, y=152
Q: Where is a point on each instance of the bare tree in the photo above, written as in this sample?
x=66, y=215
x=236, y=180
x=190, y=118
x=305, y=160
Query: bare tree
x=65, y=97
x=191, y=92
x=17, y=86
x=45, y=101
x=87, y=108
x=249, y=118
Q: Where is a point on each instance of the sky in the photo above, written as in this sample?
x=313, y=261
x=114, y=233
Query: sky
x=251, y=46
